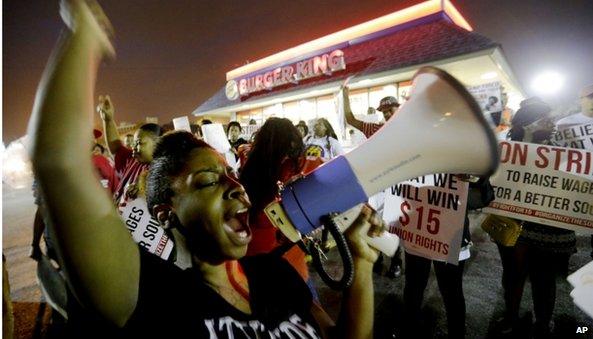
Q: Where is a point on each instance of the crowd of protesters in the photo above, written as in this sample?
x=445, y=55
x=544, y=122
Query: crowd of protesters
x=241, y=277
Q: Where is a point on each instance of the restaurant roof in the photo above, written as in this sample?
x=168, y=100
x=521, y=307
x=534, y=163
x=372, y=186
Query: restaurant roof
x=427, y=39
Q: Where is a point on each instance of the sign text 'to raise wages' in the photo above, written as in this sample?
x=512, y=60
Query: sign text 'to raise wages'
x=545, y=184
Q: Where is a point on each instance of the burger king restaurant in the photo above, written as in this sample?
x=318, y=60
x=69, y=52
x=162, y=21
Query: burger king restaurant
x=376, y=58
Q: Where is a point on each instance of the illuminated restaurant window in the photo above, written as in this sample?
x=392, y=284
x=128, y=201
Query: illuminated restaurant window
x=272, y=111
x=359, y=101
x=292, y=111
x=403, y=91
x=380, y=92
x=244, y=117
x=326, y=108
x=308, y=110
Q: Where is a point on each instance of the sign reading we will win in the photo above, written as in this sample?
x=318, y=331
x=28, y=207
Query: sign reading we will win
x=428, y=214
x=544, y=184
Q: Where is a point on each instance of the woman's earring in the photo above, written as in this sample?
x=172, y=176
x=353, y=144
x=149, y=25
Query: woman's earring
x=164, y=216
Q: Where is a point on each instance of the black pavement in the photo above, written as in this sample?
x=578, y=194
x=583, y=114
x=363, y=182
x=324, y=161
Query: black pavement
x=483, y=296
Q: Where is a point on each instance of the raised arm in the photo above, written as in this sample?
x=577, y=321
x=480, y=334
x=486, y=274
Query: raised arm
x=100, y=258
x=106, y=111
x=350, y=119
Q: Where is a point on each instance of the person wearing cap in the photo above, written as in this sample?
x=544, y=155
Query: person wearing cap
x=541, y=251
x=388, y=106
x=585, y=116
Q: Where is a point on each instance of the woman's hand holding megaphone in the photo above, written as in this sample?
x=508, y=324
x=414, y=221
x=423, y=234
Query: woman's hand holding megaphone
x=367, y=223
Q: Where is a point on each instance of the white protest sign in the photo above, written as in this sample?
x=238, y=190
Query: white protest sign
x=582, y=294
x=215, y=136
x=145, y=230
x=181, y=124
x=488, y=96
x=428, y=214
x=544, y=184
x=576, y=136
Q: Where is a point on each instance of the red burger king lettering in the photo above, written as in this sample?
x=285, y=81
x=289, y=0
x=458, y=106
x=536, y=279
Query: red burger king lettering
x=309, y=68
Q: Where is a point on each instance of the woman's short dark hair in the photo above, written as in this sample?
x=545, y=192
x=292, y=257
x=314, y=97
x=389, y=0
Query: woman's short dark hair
x=152, y=128
x=233, y=123
x=168, y=160
x=304, y=126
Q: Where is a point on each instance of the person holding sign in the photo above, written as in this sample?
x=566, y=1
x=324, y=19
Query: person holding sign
x=585, y=116
x=449, y=276
x=541, y=251
x=576, y=130
x=130, y=293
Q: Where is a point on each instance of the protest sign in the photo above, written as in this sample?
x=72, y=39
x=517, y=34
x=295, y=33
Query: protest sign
x=181, y=124
x=145, y=230
x=545, y=184
x=488, y=96
x=216, y=137
x=575, y=136
x=428, y=214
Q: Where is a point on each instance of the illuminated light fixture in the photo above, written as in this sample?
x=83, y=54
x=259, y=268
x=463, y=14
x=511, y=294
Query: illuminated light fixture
x=365, y=81
x=387, y=21
x=489, y=75
x=548, y=82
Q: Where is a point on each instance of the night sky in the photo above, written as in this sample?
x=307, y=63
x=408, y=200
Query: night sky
x=173, y=54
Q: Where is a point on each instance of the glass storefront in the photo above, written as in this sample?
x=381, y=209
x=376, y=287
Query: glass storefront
x=325, y=106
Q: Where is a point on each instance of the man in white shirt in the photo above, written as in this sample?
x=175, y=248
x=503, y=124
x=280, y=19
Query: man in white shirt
x=585, y=115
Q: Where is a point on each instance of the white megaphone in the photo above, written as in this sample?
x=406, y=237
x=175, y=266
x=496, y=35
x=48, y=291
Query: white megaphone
x=440, y=129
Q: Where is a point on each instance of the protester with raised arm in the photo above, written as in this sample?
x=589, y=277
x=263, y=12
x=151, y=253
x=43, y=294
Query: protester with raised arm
x=191, y=192
x=130, y=164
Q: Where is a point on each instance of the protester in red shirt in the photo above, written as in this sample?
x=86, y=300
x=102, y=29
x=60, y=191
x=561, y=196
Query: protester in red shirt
x=129, y=163
x=388, y=106
x=105, y=168
x=276, y=156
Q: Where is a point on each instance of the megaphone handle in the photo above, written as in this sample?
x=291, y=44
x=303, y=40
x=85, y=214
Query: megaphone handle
x=387, y=243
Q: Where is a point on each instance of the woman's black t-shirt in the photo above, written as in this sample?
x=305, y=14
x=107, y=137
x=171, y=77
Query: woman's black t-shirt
x=175, y=303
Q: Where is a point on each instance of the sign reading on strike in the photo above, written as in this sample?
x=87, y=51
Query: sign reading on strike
x=577, y=136
x=145, y=230
x=544, y=184
x=428, y=213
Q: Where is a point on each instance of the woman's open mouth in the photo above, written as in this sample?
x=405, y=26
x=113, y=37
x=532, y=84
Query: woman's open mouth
x=237, y=228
